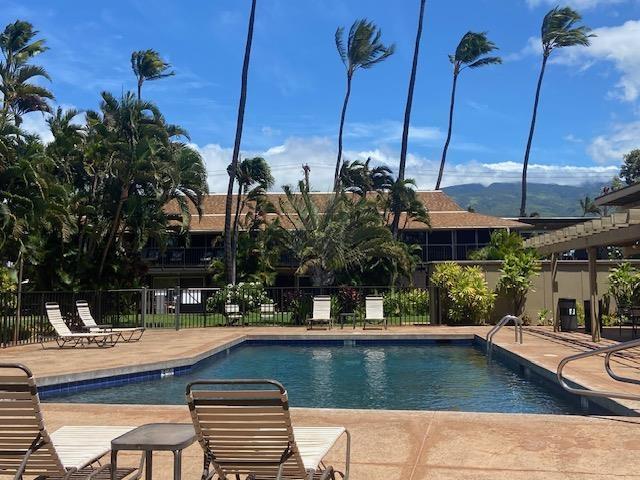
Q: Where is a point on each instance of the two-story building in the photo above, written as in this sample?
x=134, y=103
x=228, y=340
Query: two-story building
x=453, y=233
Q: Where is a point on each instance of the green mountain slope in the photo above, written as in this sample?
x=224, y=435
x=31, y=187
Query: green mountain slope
x=503, y=199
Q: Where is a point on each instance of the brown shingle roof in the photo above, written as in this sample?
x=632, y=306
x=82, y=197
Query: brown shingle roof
x=445, y=214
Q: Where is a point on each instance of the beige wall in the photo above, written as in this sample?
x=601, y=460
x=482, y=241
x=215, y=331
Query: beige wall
x=572, y=278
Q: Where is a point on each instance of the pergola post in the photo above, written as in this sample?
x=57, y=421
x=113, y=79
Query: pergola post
x=593, y=294
x=554, y=292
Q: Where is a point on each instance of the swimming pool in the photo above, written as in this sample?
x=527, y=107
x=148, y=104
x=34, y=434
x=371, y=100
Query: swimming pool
x=370, y=375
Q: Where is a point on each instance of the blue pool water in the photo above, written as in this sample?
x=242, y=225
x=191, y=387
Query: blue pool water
x=376, y=376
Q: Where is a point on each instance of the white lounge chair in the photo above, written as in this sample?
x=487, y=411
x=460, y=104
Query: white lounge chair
x=65, y=336
x=267, y=312
x=321, y=312
x=249, y=432
x=233, y=315
x=27, y=449
x=131, y=334
x=374, y=312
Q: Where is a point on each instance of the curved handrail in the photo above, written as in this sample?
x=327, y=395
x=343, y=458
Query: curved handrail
x=517, y=322
x=615, y=376
x=600, y=393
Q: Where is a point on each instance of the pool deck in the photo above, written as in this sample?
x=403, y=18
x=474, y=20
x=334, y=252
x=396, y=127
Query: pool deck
x=389, y=444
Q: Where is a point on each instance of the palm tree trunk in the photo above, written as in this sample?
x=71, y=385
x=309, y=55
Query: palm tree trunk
x=114, y=229
x=236, y=234
x=525, y=165
x=336, y=178
x=407, y=112
x=140, y=80
x=228, y=234
x=448, y=140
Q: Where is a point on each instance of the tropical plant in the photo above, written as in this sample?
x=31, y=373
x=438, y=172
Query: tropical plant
x=630, y=170
x=348, y=238
x=470, y=53
x=588, y=206
x=465, y=295
x=624, y=282
x=560, y=29
x=403, y=199
x=254, y=179
x=235, y=157
x=407, y=110
x=248, y=296
x=18, y=48
x=409, y=302
x=147, y=65
x=363, y=49
x=358, y=177
x=502, y=243
x=516, y=280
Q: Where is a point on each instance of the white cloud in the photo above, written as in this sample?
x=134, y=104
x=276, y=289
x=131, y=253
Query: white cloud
x=611, y=147
x=619, y=45
x=319, y=153
x=581, y=4
x=532, y=47
x=36, y=123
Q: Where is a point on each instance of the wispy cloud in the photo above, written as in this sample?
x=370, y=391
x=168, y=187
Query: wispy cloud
x=286, y=161
x=581, y=4
x=612, y=146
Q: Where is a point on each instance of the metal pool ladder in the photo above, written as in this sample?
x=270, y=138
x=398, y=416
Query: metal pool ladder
x=517, y=322
x=607, y=351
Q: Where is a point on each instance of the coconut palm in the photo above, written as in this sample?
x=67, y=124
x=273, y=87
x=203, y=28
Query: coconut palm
x=363, y=49
x=147, y=65
x=358, y=177
x=588, y=206
x=252, y=172
x=559, y=29
x=470, y=53
x=18, y=47
x=228, y=233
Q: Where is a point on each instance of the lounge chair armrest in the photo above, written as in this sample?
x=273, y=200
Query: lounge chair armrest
x=105, y=326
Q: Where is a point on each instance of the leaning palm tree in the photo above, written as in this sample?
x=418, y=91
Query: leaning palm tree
x=470, y=53
x=363, y=50
x=233, y=167
x=148, y=65
x=18, y=95
x=589, y=207
x=559, y=30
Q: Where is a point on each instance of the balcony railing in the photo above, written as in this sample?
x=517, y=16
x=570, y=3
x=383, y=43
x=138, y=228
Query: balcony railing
x=180, y=257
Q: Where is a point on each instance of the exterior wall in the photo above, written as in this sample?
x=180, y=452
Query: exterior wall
x=572, y=279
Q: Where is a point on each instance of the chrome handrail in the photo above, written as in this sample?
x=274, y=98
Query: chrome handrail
x=600, y=393
x=517, y=323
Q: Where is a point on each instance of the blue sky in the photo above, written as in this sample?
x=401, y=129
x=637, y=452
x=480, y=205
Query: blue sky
x=589, y=114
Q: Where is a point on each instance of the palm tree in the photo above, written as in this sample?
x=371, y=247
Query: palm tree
x=358, y=177
x=412, y=82
x=148, y=65
x=363, y=50
x=469, y=54
x=233, y=167
x=588, y=206
x=252, y=172
x=18, y=48
x=559, y=30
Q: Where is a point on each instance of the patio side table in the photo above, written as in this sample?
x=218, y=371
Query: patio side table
x=168, y=437
x=346, y=317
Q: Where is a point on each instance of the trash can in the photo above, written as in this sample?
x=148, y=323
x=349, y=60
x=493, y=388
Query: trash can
x=568, y=314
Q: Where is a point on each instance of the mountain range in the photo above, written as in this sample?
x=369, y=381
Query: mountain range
x=503, y=199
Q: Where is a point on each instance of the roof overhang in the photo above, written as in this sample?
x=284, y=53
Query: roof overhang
x=624, y=196
x=619, y=229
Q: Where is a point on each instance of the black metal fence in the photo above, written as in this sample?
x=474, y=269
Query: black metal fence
x=203, y=307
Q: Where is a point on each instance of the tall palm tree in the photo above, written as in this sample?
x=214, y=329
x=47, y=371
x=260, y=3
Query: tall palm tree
x=469, y=54
x=252, y=172
x=559, y=30
x=363, y=49
x=407, y=113
x=18, y=48
x=148, y=65
x=233, y=167
x=358, y=177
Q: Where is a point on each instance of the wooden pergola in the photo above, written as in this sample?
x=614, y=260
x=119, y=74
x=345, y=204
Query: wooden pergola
x=620, y=230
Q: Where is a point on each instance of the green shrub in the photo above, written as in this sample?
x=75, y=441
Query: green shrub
x=518, y=270
x=466, y=297
x=6, y=333
x=624, y=284
x=406, y=302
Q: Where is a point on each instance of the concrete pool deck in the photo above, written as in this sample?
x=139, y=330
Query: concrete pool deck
x=389, y=444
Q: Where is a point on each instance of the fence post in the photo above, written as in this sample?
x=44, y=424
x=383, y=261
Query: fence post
x=177, y=307
x=143, y=306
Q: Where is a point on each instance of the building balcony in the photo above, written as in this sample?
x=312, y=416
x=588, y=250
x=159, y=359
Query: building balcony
x=181, y=257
